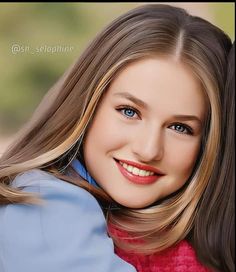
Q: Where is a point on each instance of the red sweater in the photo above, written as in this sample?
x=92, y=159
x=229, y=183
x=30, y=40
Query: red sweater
x=179, y=258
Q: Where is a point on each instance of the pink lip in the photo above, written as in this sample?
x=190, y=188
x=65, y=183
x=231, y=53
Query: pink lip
x=138, y=179
x=143, y=167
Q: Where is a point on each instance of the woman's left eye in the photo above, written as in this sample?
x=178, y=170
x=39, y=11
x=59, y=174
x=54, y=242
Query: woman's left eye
x=181, y=128
x=129, y=112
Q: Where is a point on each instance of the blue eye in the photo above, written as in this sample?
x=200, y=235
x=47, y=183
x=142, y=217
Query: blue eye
x=183, y=129
x=128, y=112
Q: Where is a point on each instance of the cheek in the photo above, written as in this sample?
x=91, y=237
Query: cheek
x=105, y=133
x=183, y=159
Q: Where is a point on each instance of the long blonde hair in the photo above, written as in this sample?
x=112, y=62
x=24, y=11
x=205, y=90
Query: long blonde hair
x=53, y=136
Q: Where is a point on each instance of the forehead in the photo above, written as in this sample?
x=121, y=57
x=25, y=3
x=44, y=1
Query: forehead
x=162, y=83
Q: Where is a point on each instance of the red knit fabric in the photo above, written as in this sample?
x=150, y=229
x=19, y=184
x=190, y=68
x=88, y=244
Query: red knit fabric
x=179, y=258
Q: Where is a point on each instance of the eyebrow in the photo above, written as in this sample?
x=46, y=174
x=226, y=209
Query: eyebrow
x=132, y=98
x=188, y=118
x=144, y=105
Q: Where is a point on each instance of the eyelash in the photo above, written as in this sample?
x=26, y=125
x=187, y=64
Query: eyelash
x=189, y=130
x=127, y=107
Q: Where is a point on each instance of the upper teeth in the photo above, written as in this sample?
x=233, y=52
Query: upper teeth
x=136, y=171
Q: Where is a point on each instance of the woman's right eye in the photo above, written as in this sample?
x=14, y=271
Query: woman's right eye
x=128, y=112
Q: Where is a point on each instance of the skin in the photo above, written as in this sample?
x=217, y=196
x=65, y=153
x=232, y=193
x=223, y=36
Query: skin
x=158, y=135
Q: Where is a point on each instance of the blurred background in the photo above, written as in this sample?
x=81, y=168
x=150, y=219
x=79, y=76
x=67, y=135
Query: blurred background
x=40, y=40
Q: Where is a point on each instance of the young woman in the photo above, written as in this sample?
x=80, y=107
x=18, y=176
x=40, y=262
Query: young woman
x=213, y=231
x=128, y=135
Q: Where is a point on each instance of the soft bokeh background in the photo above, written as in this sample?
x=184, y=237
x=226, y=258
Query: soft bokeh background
x=40, y=40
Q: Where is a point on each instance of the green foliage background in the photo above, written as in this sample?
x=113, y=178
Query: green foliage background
x=26, y=76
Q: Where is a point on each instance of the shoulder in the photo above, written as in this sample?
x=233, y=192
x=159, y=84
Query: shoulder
x=66, y=233
x=50, y=187
x=40, y=178
x=62, y=201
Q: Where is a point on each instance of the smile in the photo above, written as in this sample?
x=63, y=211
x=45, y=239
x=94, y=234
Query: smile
x=136, y=171
x=136, y=174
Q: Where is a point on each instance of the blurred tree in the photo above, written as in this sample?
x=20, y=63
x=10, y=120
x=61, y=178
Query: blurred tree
x=224, y=17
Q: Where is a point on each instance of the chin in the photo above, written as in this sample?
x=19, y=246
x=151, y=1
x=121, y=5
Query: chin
x=133, y=204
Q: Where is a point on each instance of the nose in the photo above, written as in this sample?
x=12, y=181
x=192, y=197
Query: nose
x=148, y=145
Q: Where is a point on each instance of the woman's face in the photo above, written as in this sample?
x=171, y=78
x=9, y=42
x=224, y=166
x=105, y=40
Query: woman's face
x=145, y=136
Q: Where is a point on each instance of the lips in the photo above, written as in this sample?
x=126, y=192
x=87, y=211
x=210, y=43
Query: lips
x=139, y=179
x=142, y=167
